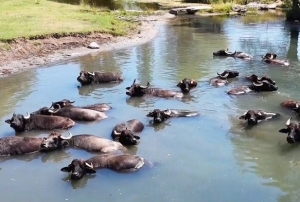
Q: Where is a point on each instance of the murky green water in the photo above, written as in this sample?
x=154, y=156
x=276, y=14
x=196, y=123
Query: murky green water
x=213, y=157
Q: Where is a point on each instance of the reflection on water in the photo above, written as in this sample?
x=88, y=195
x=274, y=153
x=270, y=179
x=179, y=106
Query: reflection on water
x=196, y=155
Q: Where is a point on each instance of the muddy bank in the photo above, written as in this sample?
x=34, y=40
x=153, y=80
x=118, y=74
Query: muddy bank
x=32, y=53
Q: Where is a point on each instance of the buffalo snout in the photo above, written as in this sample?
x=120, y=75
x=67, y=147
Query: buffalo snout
x=290, y=139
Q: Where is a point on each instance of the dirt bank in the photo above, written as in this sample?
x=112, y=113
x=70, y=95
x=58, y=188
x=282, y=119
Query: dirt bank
x=32, y=53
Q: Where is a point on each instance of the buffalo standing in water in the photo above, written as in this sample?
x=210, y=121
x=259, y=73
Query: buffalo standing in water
x=255, y=116
x=221, y=79
x=293, y=131
x=84, y=141
x=160, y=116
x=256, y=87
x=136, y=90
x=100, y=107
x=235, y=54
x=119, y=163
x=125, y=133
x=271, y=58
x=86, y=78
x=22, y=123
x=256, y=79
x=187, y=84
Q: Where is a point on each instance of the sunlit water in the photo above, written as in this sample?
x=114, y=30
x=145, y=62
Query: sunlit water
x=212, y=157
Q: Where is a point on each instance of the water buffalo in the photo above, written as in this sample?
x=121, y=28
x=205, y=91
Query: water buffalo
x=187, y=84
x=256, y=79
x=235, y=54
x=86, y=77
x=74, y=113
x=291, y=104
x=119, y=163
x=19, y=145
x=256, y=87
x=101, y=107
x=22, y=123
x=255, y=116
x=84, y=141
x=221, y=79
x=125, y=132
x=160, y=116
x=293, y=131
x=271, y=58
x=138, y=90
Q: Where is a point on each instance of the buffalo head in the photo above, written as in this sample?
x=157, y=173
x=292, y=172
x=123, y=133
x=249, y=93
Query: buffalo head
x=62, y=103
x=86, y=77
x=78, y=168
x=126, y=137
x=18, y=121
x=256, y=79
x=254, y=116
x=263, y=86
x=136, y=89
x=228, y=74
x=269, y=56
x=159, y=116
x=224, y=53
x=293, y=131
x=55, y=141
x=187, y=84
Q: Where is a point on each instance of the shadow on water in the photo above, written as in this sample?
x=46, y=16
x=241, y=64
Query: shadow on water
x=113, y=5
x=87, y=90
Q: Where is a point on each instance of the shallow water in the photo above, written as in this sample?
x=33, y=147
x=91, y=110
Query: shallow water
x=212, y=157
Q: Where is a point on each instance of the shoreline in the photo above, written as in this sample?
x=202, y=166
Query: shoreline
x=29, y=54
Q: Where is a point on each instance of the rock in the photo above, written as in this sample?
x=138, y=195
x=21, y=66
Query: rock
x=93, y=45
x=239, y=8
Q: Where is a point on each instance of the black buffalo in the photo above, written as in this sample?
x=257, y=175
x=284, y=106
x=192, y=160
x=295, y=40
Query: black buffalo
x=84, y=141
x=119, y=163
x=221, y=79
x=187, y=84
x=136, y=90
x=271, y=58
x=74, y=113
x=293, y=131
x=256, y=87
x=19, y=145
x=235, y=54
x=126, y=132
x=101, y=107
x=38, y=122
x=160, y=116
x=86, y=77
x=255, y=116
x=256, y=79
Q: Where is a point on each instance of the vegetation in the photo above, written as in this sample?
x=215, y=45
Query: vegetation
x=26, y=18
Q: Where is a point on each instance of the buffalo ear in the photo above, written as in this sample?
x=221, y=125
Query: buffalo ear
x=66, y=169
x=242, y=117
x=127, y=88
x=149, y=115
x=90, y=170
x=136, y=137
x=284, y=130
x=8, y=121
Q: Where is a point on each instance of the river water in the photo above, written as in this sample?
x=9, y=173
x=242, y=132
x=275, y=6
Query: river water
x=212, y=157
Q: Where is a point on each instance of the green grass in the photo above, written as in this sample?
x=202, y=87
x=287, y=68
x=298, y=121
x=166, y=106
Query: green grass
x=25, y=18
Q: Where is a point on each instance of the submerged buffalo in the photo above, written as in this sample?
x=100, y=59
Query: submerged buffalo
x=101, y=107
x=255, y=87
x=125, y=132
x=293, y=131
x=86, y=77
x=256, y=79
x=291, y=104
x=22, y=123
x=221, y=79
x=187, y=84
x=137, y=90
x=160, y=116
x=235, y=54
x=19, y=145
x=84, y=141
x=271, y=58
x=119, y=163
x=74, y=113
x=255, y=116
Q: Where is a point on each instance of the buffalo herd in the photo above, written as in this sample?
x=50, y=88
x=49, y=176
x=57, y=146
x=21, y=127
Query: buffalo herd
x=113, y=152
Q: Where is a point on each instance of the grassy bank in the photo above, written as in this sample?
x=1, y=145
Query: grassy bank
x=25, y=18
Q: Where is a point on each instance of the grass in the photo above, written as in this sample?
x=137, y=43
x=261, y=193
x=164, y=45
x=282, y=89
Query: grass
x=26, y=18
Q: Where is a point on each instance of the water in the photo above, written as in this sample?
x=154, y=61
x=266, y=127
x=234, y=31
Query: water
x=212, y=157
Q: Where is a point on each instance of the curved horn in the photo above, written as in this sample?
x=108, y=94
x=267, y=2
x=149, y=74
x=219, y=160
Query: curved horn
x=27, y=117
x=116, y=133
x=133, y=82
x=230, y=53
x=54, y=111
x=225, y=76
x=167, y=112
x=89, y=165
x=257, y=84
x=288, y=122
x=91, y=73
x=297, y=105
x=67, y=138
x=148, y=84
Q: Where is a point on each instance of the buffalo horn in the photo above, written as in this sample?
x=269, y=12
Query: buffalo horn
x=91, y=73
x=116, y=133
x=257, y=84
x=192, y=81
x=225, y=76
x=148, y=84
x=167, y=112
x=297, y=105
x=89, y=165
x=230, y=53
x=259, y=114
x=67, y=138
x=54, y=111
x=28, y=116
x=133, y=82
x=288, y=122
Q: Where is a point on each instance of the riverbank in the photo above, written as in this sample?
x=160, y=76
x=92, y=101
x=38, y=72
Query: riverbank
x=26, y=53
